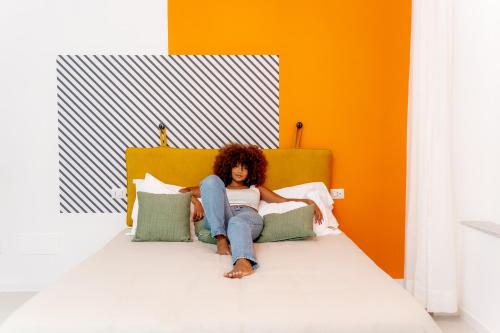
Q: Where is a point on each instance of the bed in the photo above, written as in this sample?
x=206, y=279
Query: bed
x=323, y=284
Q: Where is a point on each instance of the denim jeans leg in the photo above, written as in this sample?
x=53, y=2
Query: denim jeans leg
x=242, y=230
x=216, y=205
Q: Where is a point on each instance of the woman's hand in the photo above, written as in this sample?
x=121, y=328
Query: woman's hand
x=318, y=217
x=199, y=212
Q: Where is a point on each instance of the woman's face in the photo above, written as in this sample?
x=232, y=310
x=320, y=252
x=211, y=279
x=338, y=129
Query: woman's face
x=239, y=173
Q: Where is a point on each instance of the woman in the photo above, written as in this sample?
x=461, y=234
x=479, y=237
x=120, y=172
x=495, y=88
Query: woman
x=230, y=201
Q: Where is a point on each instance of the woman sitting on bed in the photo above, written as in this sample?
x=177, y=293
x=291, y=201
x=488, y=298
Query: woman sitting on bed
x=230, y=202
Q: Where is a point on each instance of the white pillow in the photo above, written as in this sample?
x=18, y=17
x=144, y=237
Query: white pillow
x=139, y=184
x=316, y=192
x=151, y=180
x=150, y=184
x=280, y=208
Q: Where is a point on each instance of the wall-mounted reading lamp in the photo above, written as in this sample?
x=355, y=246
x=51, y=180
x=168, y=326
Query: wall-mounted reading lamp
x=163, y=135
x=298, y=133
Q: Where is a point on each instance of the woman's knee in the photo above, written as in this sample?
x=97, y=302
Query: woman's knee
x=212, y=181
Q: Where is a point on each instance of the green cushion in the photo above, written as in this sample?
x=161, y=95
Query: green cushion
x=296, y=224
x=203, y=233
x=163, y=217
x=293, y=225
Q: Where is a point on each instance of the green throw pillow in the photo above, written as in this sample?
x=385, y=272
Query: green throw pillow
x=203, y=233
x=293, y=225
x=163, y=217
x=296, y=224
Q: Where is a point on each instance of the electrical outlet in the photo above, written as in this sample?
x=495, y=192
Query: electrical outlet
x=118, y=193
x=337, y=193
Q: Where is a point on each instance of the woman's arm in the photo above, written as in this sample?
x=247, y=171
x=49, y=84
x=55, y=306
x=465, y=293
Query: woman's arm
x=193, y=189
x=269, y=196
x=198, y=208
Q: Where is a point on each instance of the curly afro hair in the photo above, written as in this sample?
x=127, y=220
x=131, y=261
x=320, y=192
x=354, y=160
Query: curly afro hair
x=250, y=156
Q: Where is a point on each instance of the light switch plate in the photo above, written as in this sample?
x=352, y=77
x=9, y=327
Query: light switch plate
x=118, y=193
x=337, y=193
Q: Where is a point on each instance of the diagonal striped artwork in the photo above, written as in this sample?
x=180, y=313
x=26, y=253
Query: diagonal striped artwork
x=108, y=103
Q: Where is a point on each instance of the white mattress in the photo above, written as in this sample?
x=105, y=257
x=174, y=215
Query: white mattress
x=325, y=284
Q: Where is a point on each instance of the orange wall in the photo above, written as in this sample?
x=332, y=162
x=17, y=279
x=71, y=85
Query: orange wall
x=343, y=73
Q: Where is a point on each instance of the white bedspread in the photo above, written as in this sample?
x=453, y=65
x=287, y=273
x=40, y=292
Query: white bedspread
x=325, y=284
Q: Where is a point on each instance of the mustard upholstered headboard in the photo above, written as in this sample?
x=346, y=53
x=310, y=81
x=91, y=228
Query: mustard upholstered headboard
x=187, y=167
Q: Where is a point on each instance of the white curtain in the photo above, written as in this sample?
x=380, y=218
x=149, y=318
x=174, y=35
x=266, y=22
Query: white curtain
x=430, y=257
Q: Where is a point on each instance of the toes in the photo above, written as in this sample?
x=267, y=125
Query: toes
x=236, y=274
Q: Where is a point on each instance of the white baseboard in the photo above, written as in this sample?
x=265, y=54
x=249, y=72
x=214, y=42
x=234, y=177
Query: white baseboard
x=474, y=322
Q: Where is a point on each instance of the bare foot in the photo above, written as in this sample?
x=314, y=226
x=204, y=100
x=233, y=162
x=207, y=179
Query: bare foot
x=222, y=245
x=242, y=268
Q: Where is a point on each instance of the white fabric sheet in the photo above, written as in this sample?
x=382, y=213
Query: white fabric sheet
x=326, y=284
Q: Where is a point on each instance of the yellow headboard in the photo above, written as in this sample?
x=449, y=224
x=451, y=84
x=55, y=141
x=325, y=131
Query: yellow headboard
x=187, y=167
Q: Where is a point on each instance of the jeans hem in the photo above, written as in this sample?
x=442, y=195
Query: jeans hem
x=219, y=233
x=255, y=265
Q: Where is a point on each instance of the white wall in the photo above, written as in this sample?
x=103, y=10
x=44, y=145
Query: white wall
x=477, y=152
x=37, y=243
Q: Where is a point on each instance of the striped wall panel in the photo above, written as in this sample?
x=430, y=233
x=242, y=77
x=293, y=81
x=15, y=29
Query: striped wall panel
x=108, y=103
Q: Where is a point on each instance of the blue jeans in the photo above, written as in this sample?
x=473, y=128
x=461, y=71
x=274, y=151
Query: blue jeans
x=243, y=224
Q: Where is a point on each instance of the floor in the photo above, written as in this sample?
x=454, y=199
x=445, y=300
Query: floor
x=451, y=324
x=11, y=301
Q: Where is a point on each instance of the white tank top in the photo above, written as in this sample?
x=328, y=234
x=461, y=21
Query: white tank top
x=244, y=196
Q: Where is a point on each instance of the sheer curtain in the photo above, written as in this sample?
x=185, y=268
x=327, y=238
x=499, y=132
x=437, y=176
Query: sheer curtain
x=430, y=257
